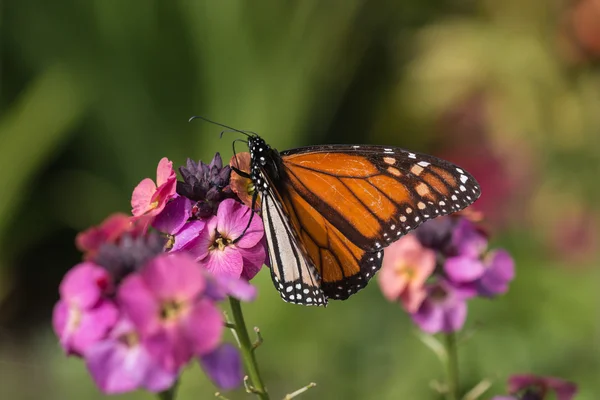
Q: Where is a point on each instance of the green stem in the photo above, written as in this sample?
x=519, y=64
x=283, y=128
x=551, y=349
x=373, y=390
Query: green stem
x=169, y=394
x=258, y=387
x=451, y=367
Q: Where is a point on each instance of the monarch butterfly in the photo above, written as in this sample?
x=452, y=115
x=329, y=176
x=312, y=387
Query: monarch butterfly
x=329, y=211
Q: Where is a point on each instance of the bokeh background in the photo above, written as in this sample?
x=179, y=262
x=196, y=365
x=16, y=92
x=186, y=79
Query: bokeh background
x=93, y=93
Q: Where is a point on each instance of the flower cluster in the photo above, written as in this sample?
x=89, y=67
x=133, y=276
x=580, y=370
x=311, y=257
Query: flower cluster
x=533, y=387
x=435, y=270
x=144, y=302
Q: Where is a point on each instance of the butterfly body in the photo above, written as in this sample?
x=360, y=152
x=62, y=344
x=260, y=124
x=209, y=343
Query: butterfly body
x=329, y=211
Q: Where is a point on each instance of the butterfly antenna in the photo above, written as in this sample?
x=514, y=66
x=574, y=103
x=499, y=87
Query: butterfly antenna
x=218, y=124
x=237, y=165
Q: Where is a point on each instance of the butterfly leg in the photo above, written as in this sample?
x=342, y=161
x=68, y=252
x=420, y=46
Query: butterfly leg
x=254, y=198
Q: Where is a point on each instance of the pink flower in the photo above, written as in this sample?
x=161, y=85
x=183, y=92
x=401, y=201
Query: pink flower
x=167, y=304
x=150, y=198
x=537, y=387
x=444, y=309
x=109, y=231
x=499, y=272
x=83, y=315
x=468, y=239
x=214, y=248
x=406, y=267
x=120, y=363
x=174, y=220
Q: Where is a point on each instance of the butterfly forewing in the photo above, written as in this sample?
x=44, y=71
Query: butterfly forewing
x=376, y=194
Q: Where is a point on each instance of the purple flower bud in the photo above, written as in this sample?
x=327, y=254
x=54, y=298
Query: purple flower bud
x=205, y=184
x=437, y=233
x=129, y=254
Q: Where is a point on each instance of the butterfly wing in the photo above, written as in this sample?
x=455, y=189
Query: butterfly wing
x=330, y=210
x=292, y=270
x=373, y=195
x=344, y=268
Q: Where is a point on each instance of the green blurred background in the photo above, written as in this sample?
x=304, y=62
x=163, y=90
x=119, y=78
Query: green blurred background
x=93, y=93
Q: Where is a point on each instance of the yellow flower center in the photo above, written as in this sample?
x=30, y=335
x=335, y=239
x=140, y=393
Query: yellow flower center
x=438, y=293
x=170, y=242
x=130, y=339
x=406, y=270
x=74, y=318
x=220, y=243
x=171, y=310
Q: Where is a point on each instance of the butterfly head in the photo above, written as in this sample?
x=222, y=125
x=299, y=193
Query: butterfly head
x=263, y=160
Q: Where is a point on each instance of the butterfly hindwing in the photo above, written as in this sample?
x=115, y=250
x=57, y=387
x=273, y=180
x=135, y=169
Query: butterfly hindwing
x=293, y=272
x=344, y=268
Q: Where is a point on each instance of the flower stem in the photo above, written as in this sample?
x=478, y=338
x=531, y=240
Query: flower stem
x=451, y=367
x=169, y=394
x=246, y=347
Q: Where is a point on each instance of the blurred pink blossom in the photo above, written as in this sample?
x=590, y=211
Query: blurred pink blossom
x=406, y=266
x=150, y=198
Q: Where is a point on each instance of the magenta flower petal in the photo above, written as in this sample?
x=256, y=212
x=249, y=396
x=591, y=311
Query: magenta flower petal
x=174, y=216
x=444, y=310
x=78, y=329
x=219, y=287
x=173, y=276
x=224, y=367
x=60, y=318
x=121, y=364
x=190, y=231
x=200, y=246
x=228, y=262
x=253, y=260
x=164, y=301
x=157, y=378
x=463, y=269
x=139, y=304
x=169, y=347
x=84, y=284
x=232, y=219
x=114, y=368
x=204, y=327
x=468, y=240
x=499, y=272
